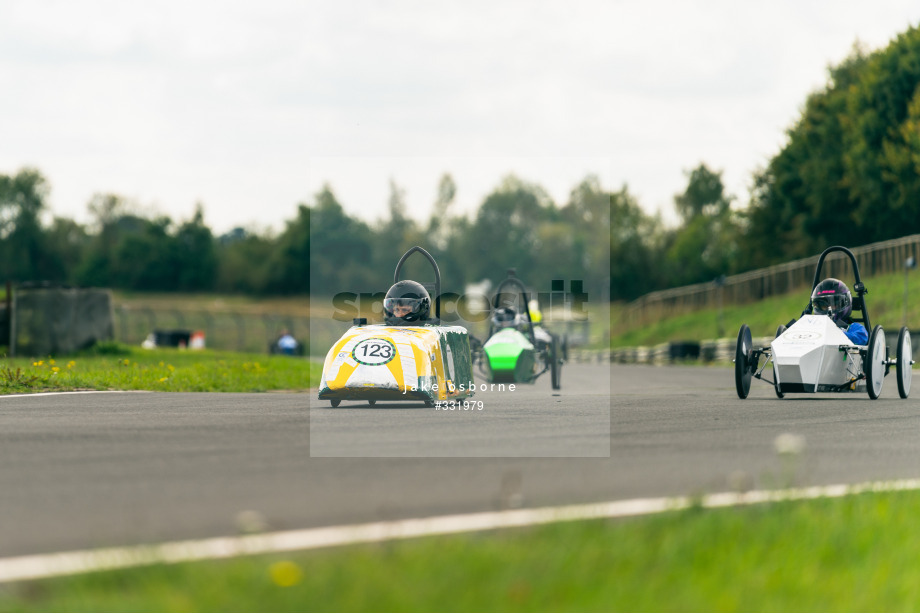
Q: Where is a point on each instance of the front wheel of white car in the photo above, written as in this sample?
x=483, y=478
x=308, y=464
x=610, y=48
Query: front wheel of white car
x=779, y=331
x=744, y=356
x=905, y=355
x=875, y=362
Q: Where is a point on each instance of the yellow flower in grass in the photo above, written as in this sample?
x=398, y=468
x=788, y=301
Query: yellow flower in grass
x=38, y=364
x=285, y=573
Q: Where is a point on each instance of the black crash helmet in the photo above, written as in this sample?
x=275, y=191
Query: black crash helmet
x=832, y=298
x=504, y=317
x=406, y=302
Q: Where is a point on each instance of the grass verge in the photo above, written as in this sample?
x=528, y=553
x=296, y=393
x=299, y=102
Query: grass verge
x=119, y=367
x=851, y=554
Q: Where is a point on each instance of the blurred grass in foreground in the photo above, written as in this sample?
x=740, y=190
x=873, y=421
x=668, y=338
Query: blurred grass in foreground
x=113, y=366
x=852, y=554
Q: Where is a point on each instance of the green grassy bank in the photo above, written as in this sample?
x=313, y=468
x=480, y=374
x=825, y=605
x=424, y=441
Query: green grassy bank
x=885, y=302
x=852, y=554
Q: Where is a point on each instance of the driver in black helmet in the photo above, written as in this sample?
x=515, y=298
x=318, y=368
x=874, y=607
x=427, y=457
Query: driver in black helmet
x=832, y=298
x=505, y=317
x=406, y=304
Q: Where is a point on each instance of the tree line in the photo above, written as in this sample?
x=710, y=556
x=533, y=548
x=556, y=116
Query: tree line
x=848, y=173
x=602, y=240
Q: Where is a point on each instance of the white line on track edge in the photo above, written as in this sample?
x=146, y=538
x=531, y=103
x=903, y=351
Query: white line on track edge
x=31, y=567
x=50, y=394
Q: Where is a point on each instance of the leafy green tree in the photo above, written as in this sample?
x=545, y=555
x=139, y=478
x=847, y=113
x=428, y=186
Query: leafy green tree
x=882, y=173
x=111, y=220
x=195, y=254
x=244, y=262
x=439, y=224
x=505, y=232
x=67, y=243
x=25, y=254
x=340, y=250
x=145, y=256
x=705, y=246
x=393, y=236
x=289, y=272
x=850, y=171
x=636, y=264
x=582, y=246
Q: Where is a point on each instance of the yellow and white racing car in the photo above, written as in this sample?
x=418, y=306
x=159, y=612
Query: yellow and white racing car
x=409, y=357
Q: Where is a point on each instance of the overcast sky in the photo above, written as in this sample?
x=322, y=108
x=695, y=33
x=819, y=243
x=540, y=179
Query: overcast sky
x=249, y=107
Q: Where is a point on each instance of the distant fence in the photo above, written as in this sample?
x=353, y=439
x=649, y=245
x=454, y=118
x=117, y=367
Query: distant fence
x=223, y=330
x=873, y=259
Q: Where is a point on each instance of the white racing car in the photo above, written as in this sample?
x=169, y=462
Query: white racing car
x=814, y=355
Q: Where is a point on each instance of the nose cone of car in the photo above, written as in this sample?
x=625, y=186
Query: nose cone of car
x=509, y=357
x=808, y=354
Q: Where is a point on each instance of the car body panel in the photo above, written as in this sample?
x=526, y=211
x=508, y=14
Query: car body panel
x=380, y=362
x=510, y=357
x=812, y=356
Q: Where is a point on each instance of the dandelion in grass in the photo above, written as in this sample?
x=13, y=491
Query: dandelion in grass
x=285, y=573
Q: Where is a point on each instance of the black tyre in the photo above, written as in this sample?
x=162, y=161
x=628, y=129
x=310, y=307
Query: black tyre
x=372, y=402
x=335, y=402
x=905, y=362
x=779, y=331
x=744, y=353
x=876, y=357
x=555, y=367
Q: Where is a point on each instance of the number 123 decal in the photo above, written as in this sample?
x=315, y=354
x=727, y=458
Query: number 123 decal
x=374, y=352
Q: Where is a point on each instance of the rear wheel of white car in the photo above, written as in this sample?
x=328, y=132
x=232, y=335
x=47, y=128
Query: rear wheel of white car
x=905, y=356
x=744, y=352
x=875, y=362
x=779, y=331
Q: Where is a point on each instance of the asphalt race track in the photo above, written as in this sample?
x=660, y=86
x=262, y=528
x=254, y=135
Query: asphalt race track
x=528, y=421
x=94, y=470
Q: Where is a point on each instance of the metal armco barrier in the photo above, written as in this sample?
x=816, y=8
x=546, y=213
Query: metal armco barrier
x=723, y=350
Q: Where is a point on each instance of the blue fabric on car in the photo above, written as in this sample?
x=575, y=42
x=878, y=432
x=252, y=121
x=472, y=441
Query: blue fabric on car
x=857, y=333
